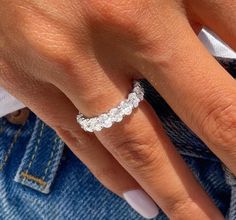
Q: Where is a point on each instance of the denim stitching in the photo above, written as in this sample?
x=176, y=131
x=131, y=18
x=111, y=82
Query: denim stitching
x=8, y=153
x=36, y=148
x=51, y=157
x=35, y=179
x=41, y=181
x=25, y=174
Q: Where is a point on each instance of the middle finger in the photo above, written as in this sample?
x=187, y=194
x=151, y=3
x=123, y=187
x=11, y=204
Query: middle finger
x=196, y=87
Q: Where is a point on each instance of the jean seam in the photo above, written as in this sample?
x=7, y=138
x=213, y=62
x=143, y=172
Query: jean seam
x=51, y=157
x=33, y=178
x=25, y=174
x=35, y=149
x=9, y=149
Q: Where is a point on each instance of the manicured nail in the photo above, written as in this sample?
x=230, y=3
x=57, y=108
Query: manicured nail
x=142, y=203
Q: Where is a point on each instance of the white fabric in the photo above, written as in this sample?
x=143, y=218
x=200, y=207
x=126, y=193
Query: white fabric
x=8, y=103
x=215, y=46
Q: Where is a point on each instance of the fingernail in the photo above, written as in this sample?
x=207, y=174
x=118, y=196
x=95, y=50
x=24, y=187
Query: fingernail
x=142, y=203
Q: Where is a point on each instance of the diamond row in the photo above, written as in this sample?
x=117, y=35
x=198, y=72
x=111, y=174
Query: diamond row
x=106, y=120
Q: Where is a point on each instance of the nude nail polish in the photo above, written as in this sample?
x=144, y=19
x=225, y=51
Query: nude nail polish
x=142, y=203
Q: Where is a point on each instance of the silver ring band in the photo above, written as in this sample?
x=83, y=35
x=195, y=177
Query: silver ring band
x=106, y=120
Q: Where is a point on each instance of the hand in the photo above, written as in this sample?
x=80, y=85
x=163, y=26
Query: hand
x=59, y=57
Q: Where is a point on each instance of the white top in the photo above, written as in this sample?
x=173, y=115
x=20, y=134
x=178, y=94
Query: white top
x=213, y=43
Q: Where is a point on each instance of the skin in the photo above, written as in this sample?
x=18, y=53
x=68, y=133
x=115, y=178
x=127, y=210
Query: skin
x=61, y=57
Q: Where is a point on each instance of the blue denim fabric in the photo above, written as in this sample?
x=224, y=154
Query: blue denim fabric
x=40, y=178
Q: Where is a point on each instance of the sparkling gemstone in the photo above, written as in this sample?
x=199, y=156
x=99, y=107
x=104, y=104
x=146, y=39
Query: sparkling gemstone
x=79, y=118
x=126, y=108
x=108, y=123
x=98, y=128
x=138, y=90
x=105, y=121
x=89, y=128
x=140, y=94
x=135, y=90
x=102, y=118
x=135, y=103
x=95, y=124
x=133, y=99
x=86, y=125
x=131, y=96
x=115, y=115
x=82, y=121
x=136, y=84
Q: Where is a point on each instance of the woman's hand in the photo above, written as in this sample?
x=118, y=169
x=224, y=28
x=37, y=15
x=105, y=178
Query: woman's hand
x=59, y=57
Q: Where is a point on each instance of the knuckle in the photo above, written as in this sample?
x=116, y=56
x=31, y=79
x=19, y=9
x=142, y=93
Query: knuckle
x=50, y=39
x=219, y=126
x=136, y=154
x=54, y=47
x=123, y=14
x=184, y=207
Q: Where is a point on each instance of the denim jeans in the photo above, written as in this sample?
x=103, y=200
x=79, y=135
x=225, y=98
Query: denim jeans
x=40, y=178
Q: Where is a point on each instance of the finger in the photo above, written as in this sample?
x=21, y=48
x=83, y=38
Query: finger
x=218, y=15
x=59, y=113
x=197, y=88
x=142, y=148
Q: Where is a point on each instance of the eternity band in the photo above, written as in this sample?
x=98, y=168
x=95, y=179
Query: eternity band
x=106, y=120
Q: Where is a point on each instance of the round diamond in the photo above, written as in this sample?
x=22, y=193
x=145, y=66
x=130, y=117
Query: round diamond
x=98, y=128
x=138, y=90
x=136, y=84
x=133, y=99
x=82, y=121
x=115, y=115
x=131, y=96
x=135, y=103
x=86, y=125
x=102, y=118
x=88, y=128
x=79, y=118
x=126, y=108
x=105, y=121
x=108, y=123
x=95, y=124
x=140, y=94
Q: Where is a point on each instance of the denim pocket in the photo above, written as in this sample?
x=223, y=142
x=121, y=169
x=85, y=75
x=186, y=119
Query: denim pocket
x=8, y=139
x=41, y=159
x=39, y=148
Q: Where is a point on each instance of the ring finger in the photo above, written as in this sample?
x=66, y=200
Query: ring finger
x=142, y=148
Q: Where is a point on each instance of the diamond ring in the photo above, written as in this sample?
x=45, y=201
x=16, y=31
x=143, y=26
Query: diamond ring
x=106, y=120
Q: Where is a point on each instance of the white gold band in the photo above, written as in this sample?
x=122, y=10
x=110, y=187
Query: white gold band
x=106, y=120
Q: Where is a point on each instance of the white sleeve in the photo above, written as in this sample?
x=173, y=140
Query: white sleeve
x=215, y=45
